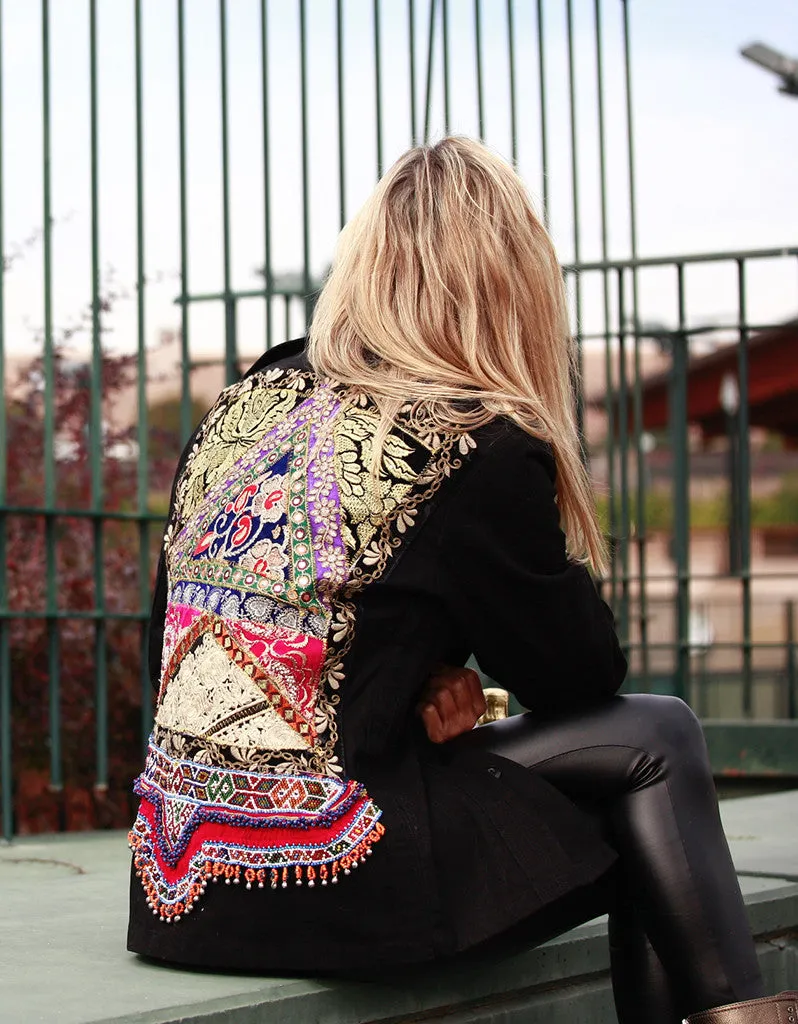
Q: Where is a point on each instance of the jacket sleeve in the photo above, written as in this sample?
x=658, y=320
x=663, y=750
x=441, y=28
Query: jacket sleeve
x=534, y=618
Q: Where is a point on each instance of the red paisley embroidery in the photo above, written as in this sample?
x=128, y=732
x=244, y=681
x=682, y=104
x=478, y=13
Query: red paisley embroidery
x=243, y=528
x=272, y=499
x=242, y=498
x=204, y=543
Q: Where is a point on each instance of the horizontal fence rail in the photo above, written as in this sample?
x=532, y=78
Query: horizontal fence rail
x=172, y=180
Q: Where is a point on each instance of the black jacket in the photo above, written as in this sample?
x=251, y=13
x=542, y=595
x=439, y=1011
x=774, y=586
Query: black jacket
x=465, y=554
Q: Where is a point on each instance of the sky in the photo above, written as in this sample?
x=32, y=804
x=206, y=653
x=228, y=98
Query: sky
x=715, y=146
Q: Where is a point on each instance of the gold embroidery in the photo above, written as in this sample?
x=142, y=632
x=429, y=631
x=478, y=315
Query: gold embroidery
x=329, y=532
x=365, y=506
x=244, y=412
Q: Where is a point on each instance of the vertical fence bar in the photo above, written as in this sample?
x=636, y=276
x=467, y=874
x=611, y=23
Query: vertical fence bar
x=6, y=787
x=623, y=461
x=142, y=427
x=511, y=70
x=185, y=351
x=267, y=198
x=731, y=416
x=6, y=760
x=445, y=47
x=789, y=624
x=478, y=67
x=743, y=495
x=580, y=398
x=339, y=67
x=53, y=660
x=430, y=56
x=303, y=67
x=96, y=431
x=230, y=340
x=605, y=280
x=378, y=85
x=411, y=44
x=544, y=139
x=681, y=491
x=637, y=387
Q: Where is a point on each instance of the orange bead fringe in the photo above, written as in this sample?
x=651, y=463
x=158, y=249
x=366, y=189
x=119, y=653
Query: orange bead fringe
x=233, y=874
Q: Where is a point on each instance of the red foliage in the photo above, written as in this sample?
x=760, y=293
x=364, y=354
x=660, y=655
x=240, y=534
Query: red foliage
x=63, y=655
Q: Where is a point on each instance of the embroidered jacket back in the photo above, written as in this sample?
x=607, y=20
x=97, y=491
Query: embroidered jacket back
x=276, y=524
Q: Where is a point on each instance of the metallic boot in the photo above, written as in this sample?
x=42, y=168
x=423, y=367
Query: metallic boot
x=780, y=1009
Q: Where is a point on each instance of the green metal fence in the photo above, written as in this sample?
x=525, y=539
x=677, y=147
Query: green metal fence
x=628, y=587
x=239, y=138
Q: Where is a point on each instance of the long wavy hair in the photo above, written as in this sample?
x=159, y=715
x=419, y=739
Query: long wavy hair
x=446, y=293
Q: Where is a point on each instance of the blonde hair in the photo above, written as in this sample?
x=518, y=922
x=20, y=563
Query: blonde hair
x=446, y=293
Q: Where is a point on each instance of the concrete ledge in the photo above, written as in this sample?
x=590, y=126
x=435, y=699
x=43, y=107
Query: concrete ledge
x=64, y=962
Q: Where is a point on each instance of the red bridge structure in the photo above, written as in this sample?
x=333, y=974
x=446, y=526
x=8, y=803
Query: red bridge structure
x=772, y=386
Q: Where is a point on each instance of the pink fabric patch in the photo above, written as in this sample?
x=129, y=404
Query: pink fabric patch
x=178, y=618
x=293, y=660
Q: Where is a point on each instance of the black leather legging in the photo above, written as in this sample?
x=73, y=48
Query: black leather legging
x=679, y=937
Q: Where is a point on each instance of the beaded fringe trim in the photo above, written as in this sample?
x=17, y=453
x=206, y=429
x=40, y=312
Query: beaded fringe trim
x=213, y=863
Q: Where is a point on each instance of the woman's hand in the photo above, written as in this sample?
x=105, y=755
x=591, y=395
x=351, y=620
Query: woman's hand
x=451, y=703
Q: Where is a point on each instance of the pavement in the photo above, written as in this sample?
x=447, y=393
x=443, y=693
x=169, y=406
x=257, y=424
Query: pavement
x=63, y=959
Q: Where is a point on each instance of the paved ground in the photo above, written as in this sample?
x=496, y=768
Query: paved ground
x=763, y=833
x=63, y=958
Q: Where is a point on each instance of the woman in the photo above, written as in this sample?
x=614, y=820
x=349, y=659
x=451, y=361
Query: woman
x=349, y=523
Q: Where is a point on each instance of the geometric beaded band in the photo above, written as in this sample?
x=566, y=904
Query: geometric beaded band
x=199, y=823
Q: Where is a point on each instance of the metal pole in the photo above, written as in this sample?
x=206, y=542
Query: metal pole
x=411, y=42
x=511, y=69
x=637, y=392
x=378, y=86
x=544, y=146
x=478, y=58
x=681, y=492
x=445, y=46
x=623, y=446
x=731, y=417
x=96, y=432
x=142, y=468
x=53, y=658
x=339, y=50
x=743, y=495
x=609, y=399
x=267, y=198
x=185, y=352
x=6, y=760
x=430, y=54
x=303, y=55
x=792, y=674
x=580, y=398
x=230, y=341
x=6, y=784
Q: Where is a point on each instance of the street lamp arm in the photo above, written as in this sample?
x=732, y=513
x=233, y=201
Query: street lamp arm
x=785, y=68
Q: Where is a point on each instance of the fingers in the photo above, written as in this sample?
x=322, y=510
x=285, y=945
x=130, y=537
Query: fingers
x=452, y=703
x=476, y=694
x=433, y=724
x=464, y=686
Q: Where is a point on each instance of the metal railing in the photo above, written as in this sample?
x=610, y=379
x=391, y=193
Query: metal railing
x=360, y=80
x=622, y=335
